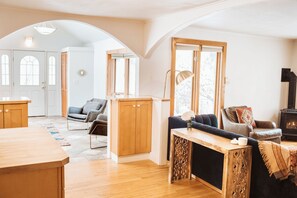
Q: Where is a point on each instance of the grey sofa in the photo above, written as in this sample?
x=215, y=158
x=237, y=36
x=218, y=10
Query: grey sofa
x=88, y=112
x=265, y=130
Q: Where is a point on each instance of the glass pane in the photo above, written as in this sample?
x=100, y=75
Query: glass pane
x=120, y=76
x=52, y=70
x=207, y=82
x=23, y=80
x=29, y=71
x=132, y=73
x=183, y=91
x=5, y=69
x=35, y=80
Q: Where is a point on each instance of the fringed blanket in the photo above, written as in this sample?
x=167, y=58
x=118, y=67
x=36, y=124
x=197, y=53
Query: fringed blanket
x=280, y=160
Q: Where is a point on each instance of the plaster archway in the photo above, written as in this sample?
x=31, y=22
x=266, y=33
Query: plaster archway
x=13, y=19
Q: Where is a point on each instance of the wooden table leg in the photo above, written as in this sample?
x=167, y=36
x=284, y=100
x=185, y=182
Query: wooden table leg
x=180, y=159
x=237, y=173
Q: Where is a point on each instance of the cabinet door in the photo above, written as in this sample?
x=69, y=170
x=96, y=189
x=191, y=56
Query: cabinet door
x=143, y=126
x=15, y=115
x=126, y=128
x=1, y=117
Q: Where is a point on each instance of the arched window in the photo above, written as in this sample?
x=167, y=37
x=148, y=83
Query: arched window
x=5, y=69
x=29, y=71
x=52, y=70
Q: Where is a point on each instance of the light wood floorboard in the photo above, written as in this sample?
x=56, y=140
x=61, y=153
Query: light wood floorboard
x=105, y=178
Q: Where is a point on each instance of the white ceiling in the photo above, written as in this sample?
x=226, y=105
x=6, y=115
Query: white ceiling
x=277, y=18
x=82, y=31
x=139, y=9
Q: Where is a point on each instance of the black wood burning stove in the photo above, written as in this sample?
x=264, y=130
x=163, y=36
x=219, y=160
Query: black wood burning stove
x=288, y=122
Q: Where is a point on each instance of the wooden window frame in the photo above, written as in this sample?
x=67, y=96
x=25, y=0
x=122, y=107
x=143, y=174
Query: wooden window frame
x=220, y=75
x=111, y=71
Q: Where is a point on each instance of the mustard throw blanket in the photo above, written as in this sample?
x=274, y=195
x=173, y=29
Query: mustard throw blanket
x=280, y=160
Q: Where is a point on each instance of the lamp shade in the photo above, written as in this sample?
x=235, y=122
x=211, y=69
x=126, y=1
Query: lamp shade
x=183, y=75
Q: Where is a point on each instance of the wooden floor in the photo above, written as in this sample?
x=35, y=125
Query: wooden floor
x=104, y=178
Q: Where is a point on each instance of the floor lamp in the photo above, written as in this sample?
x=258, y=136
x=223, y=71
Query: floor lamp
x=180, y=77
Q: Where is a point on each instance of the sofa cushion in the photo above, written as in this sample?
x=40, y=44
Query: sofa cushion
x=245, y=115
x=208, y=119
x=89, y=106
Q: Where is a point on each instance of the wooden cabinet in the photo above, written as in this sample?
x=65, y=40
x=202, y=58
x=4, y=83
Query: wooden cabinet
x=131, y=127
x=13, y=113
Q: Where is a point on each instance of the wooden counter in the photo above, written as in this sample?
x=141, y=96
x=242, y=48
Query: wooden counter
x=31, y=164
x=14, y=112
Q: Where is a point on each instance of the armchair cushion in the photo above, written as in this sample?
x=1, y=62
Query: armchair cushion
x=76, y=110
x=266, y=134
x=77, y=116
x=90, y=106
x=245, y=115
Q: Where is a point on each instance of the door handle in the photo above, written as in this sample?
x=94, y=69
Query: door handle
x=1, y=111
x=134, y=105
x=6, y=110
x=138, y=105
x=43, y=87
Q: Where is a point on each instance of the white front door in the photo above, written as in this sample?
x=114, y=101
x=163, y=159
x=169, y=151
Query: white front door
x=29, y=79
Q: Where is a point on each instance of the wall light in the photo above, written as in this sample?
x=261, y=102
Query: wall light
x=82, y=72
x=28, y=41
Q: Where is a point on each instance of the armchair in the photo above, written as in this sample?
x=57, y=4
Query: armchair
x=98, y=127
x=86, y=113
x=264, y=130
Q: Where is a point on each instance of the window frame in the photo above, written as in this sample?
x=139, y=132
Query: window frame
x=220, y=76
x=111, y=71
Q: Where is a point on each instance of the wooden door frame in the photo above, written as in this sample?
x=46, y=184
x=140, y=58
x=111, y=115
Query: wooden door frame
x=220, y=77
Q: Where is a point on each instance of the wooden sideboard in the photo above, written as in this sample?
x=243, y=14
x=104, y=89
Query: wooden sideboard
x=237, y=160
x=13, y=112
x=31, y=165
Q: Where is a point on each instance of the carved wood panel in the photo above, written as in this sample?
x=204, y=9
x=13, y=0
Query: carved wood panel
x=239, y=173
x=181, y=159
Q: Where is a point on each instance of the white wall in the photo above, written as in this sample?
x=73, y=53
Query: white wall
x=80, y=88
x=100, y=59
x=253, y=69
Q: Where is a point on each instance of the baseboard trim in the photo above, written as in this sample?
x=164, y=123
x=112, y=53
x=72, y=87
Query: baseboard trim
x=129, y=158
